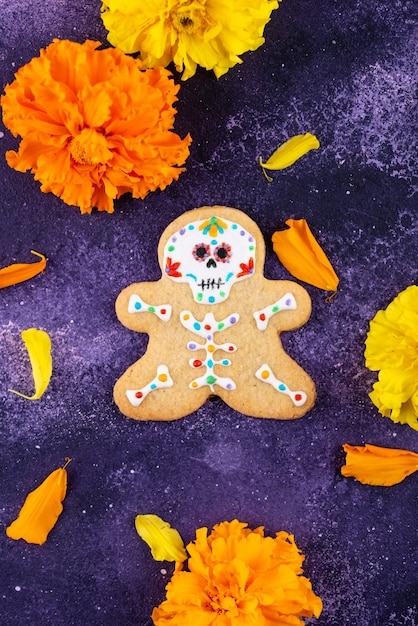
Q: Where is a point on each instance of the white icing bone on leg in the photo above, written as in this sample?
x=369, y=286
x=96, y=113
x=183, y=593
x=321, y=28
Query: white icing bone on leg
x=137, y=305
x=161, y=381
x=265, y=374
x=286, y=303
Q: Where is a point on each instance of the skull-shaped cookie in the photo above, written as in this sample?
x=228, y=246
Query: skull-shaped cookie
x=214, y=324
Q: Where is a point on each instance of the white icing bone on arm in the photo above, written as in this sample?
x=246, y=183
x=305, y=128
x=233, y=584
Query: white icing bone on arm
x=286, y=303
x=137, y=305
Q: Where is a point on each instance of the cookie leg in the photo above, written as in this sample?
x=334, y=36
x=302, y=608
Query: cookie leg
x=265, y=374
x=162, y=380
x=160, y=395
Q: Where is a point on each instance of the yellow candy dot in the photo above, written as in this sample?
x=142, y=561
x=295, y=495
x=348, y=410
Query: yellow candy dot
x=211, y=348
x=162, y=378
x=194, y=384
x=186, y=316
x=265, y=374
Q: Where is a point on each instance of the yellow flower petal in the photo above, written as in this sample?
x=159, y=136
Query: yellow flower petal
x=289, y=152
x=38, y=344
x=303, y=257
x=373, y=465
x=19, y=272
x=165, y=542
x=41, y=509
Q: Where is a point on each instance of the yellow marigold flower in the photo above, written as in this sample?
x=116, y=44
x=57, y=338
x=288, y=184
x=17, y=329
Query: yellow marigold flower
x=237, y=576
x=94, y=124
x=209, y=33
x=392, y=348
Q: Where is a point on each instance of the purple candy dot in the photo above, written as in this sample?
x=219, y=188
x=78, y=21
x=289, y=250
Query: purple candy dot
x=173, y=239
x=288, y=302
x=209, y=337
x=242, y=233
x=229, y=386
x=250, y=239
x=192, y=346
x=232, y=320
x=182, y=231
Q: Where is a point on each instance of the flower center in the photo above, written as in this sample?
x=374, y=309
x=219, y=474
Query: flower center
x=225, y=604
x=79, y=153
x=89, y=148
x=189, y=19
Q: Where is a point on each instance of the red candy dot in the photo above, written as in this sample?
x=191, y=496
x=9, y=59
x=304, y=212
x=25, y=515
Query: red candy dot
x=262, y=317
x=138, y=394
x=298, y=397
x=163, y=311
x=207, y=327
x=231, y=348
x=197, y=363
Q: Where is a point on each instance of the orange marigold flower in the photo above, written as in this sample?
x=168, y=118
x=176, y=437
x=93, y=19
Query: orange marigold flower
x=94, y=124
x=236, y=576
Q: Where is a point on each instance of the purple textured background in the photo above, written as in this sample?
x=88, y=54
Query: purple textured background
x=346, y=72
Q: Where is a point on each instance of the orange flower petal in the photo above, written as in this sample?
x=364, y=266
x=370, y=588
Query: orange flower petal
x=303, y=257
x=19, y=272
x=41, y=509
x=373, y=465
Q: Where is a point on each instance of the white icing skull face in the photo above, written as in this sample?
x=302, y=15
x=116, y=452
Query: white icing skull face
x=210, y=255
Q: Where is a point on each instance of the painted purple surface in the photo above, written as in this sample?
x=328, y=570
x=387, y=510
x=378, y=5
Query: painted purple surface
x=345, y=73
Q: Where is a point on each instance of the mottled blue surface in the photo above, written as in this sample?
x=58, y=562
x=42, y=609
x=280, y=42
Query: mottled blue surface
x=346, y=72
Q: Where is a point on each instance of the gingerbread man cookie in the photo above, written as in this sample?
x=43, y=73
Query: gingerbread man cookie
x=214, y=324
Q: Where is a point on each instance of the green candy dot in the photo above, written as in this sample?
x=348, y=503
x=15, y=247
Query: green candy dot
x=251, y=248
x=171, y=248
x=211, y=379
x=151, y=309
x=220, y=325
x=222, y=294
x=200, y=296
x=275, y=309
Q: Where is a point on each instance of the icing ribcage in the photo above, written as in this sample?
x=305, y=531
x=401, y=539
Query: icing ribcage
x=206, y=329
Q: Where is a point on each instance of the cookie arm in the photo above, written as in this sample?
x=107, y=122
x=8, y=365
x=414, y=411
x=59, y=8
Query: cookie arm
x=136, y=306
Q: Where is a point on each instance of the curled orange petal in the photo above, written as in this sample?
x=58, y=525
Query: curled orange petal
x=19, y=272
x=41, y=509
x=373, y=465
x=303, y=257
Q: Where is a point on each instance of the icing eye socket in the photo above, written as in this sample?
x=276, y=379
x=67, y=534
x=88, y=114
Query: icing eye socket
x=223, y=253
x=201, y=251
